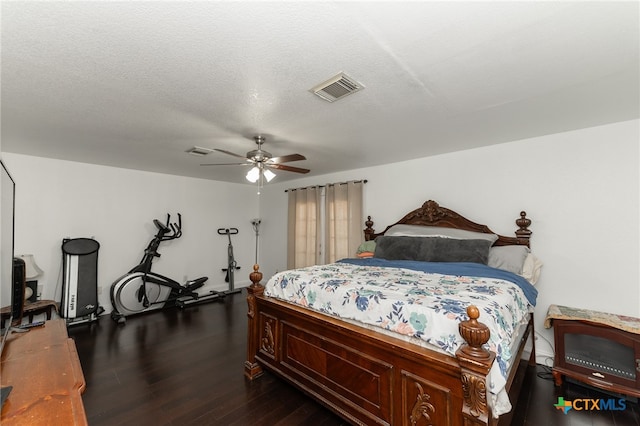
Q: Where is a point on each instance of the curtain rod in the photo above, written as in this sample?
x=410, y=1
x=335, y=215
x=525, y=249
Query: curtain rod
x=323, y=186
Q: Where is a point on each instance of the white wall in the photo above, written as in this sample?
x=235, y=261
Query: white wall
x=57, y=199
x=580, y=189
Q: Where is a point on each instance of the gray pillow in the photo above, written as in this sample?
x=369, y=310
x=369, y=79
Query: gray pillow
x=437, y=231
x=509, y=258
x=432, y=249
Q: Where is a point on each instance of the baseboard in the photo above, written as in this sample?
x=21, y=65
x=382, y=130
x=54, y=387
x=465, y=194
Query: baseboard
x=542, y=357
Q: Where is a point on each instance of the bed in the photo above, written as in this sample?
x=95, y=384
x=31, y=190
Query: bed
x=368, y=372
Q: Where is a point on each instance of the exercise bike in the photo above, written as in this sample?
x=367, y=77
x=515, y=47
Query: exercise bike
x=141, y=290
x=232, y=265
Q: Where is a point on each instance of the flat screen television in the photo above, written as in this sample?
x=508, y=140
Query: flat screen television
x=11, y=276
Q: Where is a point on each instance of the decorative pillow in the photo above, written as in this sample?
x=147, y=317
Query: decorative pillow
x=509, y=258
x=437, y=231
x=432, y=249
x=531, y=269
x=367, y=246
x=364, y=254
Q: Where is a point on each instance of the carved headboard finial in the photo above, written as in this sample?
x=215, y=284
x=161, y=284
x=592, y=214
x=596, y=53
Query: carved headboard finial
x=523, y=233
x=369, y=231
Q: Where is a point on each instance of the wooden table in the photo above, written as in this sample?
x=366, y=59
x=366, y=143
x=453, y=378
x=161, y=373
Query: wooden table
x=31, y=309
x=43, y=367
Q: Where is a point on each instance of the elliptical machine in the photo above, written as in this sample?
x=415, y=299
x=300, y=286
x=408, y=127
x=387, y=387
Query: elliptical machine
x=141, y=290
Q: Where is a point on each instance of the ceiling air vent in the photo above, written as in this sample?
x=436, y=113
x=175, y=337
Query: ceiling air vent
x=337, y=88
x=199, y=151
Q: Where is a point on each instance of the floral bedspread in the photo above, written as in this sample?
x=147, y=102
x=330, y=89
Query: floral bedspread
x=427, y=306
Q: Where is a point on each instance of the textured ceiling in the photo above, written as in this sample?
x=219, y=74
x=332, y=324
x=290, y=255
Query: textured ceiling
x=136, y=84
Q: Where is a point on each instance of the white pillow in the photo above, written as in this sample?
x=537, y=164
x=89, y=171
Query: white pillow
x=531, y=269
x=437, y=231
x=509, y=258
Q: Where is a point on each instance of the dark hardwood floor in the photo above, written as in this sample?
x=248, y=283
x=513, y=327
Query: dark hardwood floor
x=185, y=367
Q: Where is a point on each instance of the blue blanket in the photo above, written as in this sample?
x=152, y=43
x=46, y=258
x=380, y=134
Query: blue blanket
x=453, y=268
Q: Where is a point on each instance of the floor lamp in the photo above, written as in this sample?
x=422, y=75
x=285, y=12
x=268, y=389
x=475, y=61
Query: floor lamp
x=256, y=228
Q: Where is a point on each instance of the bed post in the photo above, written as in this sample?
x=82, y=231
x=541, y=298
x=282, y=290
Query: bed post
x=369, y=231
x=523, y=233
x=475, y=363
x=252, y=369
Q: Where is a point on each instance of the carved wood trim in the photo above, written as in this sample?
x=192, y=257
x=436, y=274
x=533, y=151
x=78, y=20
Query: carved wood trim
x=252, y=369
x=475, y=362
x=475, y=394
x=476, y=334
x=268, y=341
x=523, y=233
x=432, y=214
x=422, y=407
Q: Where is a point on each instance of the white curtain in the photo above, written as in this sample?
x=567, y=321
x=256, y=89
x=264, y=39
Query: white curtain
x=304, y=232
x=324, y=231
x=343, y=220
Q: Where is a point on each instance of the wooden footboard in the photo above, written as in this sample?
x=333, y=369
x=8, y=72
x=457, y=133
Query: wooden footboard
x=364, y=376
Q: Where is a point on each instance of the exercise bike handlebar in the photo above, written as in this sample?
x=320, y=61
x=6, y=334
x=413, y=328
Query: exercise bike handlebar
x=161, y=226
x=169, y=231
x=227, y=231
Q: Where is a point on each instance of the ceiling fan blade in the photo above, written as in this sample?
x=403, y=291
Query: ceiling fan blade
x=230, y=153
x=288, y=168
x=286, y=158
x=227, y=164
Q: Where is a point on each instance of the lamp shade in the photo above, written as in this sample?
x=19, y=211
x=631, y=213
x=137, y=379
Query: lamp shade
x=31, y=267
x=268, y=175
x=253, y=175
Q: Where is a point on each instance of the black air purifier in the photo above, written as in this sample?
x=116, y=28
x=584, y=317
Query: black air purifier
x=80, y=280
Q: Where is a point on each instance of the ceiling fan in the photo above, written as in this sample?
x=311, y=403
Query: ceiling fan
x=262, y=161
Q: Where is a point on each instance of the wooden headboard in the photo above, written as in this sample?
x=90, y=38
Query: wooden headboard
x=431, y=214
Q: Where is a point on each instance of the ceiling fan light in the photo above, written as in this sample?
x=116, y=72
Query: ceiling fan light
x=268, y=175
x=253, y=175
